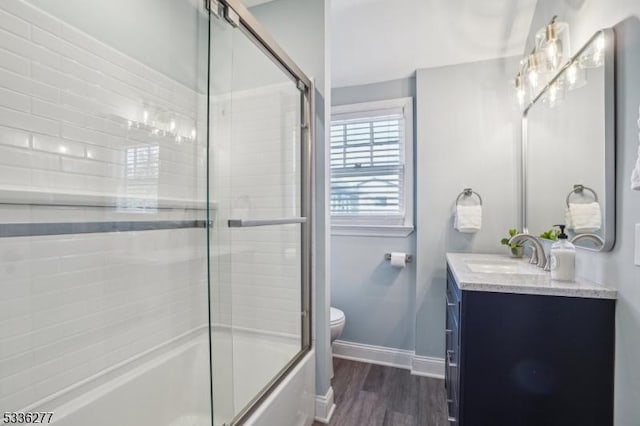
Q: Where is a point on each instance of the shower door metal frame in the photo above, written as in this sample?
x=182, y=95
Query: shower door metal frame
x=236, y=14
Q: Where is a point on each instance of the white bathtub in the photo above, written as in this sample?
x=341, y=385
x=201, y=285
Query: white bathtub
x=172, y=388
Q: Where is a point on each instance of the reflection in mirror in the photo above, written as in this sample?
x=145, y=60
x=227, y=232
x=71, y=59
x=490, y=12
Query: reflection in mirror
x=569, y=147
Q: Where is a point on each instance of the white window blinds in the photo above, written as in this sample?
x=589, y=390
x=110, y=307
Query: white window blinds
x=367, y=164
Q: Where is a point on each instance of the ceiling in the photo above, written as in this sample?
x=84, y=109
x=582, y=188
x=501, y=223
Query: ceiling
x=380, y=40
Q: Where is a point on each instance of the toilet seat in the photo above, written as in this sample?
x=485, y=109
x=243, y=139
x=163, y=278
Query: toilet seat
x=336, y=316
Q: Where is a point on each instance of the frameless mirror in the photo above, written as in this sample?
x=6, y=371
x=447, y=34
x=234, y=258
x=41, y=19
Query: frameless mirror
x=568, y=146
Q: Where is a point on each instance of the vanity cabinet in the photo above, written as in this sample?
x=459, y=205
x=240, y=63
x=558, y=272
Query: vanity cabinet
x=528, y=359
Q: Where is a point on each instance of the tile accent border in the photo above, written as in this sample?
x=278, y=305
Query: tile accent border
x=390, y=357
x=8, y=230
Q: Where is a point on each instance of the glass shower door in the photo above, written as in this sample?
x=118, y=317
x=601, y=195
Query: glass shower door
x=256, y=181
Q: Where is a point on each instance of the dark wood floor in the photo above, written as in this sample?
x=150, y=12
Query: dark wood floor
x=372, y=395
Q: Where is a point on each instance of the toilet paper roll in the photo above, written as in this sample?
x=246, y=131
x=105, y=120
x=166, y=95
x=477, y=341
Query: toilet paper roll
x=398, y=260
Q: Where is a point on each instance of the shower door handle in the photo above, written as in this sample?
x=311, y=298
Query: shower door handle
x=247, y=223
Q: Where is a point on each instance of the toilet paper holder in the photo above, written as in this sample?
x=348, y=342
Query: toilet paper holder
x=408, y=258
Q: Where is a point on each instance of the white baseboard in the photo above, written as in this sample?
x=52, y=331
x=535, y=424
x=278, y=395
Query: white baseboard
x=391, y=357
x=427, y=366
x=380, y=355
x=325, y=407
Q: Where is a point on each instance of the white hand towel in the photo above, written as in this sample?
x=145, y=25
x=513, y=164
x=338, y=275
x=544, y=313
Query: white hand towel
x=468, y=219
x=567, y=218
x=585, y=217
x=635, y=176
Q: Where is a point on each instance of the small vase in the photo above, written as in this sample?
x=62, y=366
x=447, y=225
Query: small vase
x=517, y=252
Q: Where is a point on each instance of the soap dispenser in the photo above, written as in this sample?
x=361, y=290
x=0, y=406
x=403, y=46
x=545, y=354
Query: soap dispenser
x=563, y=258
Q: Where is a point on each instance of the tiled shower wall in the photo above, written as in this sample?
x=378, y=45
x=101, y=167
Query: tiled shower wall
x=73, y=104
x=80, y=118
x=256, y=175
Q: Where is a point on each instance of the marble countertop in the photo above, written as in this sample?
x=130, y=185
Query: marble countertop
x=523, y=278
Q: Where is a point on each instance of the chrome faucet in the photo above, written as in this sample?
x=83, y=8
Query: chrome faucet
x=537, y=256
x=596, y=239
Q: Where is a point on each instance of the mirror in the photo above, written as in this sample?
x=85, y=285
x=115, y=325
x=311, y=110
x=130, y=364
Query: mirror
x=568, y=147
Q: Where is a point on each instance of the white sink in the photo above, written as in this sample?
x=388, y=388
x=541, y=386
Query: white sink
x=499, y=267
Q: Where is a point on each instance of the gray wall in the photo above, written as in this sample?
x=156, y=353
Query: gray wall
x=378, y=300
x=402, y=88
x=616, y=266
x=299, y=27
x=463, y=113
x=468, y=136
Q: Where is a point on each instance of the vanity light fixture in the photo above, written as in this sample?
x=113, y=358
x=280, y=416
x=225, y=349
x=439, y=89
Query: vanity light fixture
x=533, y=70
x=545, y=60
x=554, y=44
x=528, y=81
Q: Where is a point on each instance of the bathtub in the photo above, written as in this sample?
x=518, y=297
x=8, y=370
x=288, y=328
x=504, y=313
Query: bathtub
x=170, y=387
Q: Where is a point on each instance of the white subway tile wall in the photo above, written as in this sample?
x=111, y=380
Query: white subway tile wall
x=255, y=156
x=72, y=306
x=66, y=96
x=78, y=116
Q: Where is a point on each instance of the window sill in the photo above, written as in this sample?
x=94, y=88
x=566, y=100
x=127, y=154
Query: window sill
x=372, y=230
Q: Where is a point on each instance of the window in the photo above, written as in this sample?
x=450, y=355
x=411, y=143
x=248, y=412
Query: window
x=371, y=168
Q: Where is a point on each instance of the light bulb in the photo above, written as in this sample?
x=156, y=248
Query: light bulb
x=520, y=94
x=572, y=74
x=552, y=51
x=600, y=43
x=552, y=42
x=556, y=94
x=533, y=78
x=533, y=66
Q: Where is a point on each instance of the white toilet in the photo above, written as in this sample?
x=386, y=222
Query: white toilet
x=336, y=323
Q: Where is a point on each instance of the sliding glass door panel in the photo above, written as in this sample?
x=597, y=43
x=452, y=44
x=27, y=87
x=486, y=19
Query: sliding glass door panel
x=256, y=183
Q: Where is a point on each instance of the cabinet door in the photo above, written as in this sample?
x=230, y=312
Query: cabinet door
x=533, y=360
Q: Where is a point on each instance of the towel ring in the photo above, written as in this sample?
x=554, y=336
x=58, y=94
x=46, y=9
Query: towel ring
x=579, y=189
x=468, y=192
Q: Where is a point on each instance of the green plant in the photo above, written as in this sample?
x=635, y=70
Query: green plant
x=551, y=234
x=514, y=247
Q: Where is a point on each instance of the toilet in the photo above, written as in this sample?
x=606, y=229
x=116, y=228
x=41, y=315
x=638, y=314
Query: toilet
x=336, y=323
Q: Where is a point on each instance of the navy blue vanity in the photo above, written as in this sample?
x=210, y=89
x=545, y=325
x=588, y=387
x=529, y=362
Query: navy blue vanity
x=524, y=351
